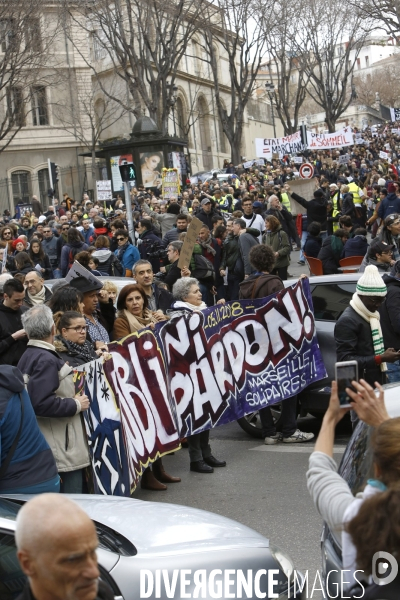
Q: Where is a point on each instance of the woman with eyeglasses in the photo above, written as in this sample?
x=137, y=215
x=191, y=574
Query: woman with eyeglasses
x=71, y=343
x=126, y=253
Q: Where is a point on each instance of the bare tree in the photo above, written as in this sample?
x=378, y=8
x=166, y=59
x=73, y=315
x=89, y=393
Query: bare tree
x=385, y=82
x=27, y=64
x=385, y=14
x=242, y=39
x=333, y=39
x=284, y=67
x=91, y=114
x=145, y=43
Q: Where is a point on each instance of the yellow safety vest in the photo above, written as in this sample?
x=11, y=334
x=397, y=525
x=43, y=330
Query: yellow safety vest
x=335, y=212
x=286, y=201
x=354, y=189
x=224, y=207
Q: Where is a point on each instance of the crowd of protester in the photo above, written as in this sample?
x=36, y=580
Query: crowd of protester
x=244, y=250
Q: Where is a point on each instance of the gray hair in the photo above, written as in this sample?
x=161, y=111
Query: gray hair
x=38, y=322
x=272, y=197
x=140, y=263
x=181, y=288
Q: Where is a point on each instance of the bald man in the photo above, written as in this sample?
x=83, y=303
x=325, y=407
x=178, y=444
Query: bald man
x=56, y=548
x=35, y=290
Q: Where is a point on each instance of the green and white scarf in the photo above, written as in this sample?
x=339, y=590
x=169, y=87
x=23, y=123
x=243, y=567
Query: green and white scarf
x=373, y=319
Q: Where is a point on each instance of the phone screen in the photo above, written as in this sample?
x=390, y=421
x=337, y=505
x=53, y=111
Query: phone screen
x=344, y=376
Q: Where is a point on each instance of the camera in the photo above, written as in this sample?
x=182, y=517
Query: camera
x=155, y=251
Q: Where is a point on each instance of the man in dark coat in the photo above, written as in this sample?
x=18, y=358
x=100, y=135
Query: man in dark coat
x=58, y=562
x=36, y=206
x=353, y=333
x=390, y=204
x=390, y=318
x=206, y=213
x=148, y=242
x=159, y=299
x=316, y=208
x=13, y=340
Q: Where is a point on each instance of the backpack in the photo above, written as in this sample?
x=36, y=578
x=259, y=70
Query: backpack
x=204, y=269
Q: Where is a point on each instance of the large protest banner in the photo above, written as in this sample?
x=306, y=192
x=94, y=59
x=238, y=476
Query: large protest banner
x=267, y=147
x=194, y=372
x=337, y=139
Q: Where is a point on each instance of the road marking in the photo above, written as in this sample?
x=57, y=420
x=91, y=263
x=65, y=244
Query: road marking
x=292, y=448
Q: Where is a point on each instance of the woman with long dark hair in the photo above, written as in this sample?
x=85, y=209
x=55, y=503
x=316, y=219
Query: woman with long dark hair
x=75, y=244
x=39, y=257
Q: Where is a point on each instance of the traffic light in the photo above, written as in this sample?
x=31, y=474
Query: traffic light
x=128, y=172
x=54, y=173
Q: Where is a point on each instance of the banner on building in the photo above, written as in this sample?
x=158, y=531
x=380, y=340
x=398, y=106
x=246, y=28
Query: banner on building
x=170, y=183
x=267, y=147
x=395, y=114
x=194, y=372
x=337, y=139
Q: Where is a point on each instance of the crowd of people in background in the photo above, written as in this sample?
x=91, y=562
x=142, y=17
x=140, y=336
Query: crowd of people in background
x=243, y=250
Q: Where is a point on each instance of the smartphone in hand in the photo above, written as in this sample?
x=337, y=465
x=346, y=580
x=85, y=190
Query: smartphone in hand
x=345, y=373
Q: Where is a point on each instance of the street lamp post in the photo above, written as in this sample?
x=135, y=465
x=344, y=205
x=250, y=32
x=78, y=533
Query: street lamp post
x=270, y=88
x=172, y=102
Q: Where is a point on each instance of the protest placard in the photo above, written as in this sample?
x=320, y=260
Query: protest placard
x=383, y=155
x=103, y=189
x=270, y=148
x=344, y=159
x=192, y=373
x=337, y=139
x=170, y=183
x=189, y=242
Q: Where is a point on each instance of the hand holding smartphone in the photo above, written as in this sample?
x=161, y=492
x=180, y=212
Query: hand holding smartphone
x=345, y=373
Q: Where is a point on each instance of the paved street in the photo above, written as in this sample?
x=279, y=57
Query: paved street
x=263, y=487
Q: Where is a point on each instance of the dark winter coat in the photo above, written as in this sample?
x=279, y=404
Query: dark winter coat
x=390, y=313
x=10, y=321
x=316, y=209
x=388, y=206
x=44, y=264
x=330, y=261
x=108, y=263
x=206, y=218
x=33, y=462
x=356, y=246
x=50, y=247
x=103, y=593
x=47, y=296
x=353, y=339
x=312, y=246
x=150, y=242
x=260, y=286
x=73, y=249
x=69, y=354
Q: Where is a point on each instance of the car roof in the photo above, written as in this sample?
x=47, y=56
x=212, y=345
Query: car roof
x=120, y=282
x=348, y=278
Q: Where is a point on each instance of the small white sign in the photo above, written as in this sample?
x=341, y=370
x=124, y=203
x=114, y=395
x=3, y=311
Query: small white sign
x=104, y=191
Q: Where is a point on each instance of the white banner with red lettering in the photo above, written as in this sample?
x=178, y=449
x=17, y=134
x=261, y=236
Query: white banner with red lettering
x=337, y=139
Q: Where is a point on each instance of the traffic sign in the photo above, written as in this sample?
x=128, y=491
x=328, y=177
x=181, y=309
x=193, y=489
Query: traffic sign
x=306, y=171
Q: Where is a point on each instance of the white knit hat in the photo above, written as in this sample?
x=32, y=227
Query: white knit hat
x=371, y=283
x=381, y=181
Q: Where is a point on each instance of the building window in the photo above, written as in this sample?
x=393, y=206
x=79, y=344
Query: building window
x=33, y=38
x=16, y=107
x=99, y=50
x=21, y=187
x=39, y=106
x=7, y=33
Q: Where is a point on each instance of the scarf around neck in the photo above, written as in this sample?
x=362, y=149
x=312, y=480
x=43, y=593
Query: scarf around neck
x=38, y=298
x=207, y=245
x=373, y=318
x=137, y=323
x=181, y=304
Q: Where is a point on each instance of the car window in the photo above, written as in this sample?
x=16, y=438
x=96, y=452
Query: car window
x=12, y=580
x=356, y=464
x=331, y=299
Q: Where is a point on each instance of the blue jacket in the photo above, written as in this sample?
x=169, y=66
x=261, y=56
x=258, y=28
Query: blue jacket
x=356, y=246
x=87, y=233
x=33, y=461
x=312, y=246
x=388, y=206
x=129, y=258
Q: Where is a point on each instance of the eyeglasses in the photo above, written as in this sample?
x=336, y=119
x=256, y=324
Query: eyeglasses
x=64, y=228
x=121, y=239
x=79, y=328
x=7, y=233
x=46, y=230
